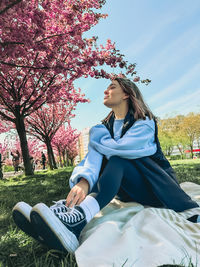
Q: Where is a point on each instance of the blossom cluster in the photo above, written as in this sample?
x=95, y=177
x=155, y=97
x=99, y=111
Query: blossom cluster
x=65, y=141
x=43, y=50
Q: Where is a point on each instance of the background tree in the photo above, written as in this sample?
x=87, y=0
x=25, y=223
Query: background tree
x=178, y=135
x=3, y=149
x=197, y=127
x=35, y=148
x=181, y=132
x=66, y=141
x=6, y=4
x=4, y=127
x=45, y=122
x=189, y=127
x=165, y=134
x=72, y=152
x=43, y=52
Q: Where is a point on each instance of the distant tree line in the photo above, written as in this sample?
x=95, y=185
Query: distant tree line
x=180, y=132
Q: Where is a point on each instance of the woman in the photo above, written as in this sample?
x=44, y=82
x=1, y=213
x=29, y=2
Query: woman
x=124, y=160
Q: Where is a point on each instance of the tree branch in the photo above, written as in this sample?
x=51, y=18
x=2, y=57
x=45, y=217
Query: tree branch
x=26, y=101
x=3, y=44
x=29, y=107
x=10, y=6
x=23, y=66
x=48, y=37
x=7, y=117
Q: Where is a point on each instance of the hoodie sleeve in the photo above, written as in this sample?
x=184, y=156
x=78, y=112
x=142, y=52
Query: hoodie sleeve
x=137, y=142
x=88, y=168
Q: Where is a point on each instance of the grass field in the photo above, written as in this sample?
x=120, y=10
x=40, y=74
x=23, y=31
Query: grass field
x=19, y=250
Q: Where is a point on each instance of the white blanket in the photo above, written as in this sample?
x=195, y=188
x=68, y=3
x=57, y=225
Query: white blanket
x=129, y=234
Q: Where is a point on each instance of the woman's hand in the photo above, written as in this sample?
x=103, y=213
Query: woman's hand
x=77, y=193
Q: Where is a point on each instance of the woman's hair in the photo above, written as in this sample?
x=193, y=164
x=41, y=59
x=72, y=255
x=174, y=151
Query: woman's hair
x=137, y=106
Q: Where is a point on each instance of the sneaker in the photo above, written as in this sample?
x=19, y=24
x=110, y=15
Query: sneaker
x=59, y=206
x=60, y=231
x=21, y=216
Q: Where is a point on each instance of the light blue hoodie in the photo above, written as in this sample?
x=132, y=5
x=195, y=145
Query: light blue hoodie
x=137, y=142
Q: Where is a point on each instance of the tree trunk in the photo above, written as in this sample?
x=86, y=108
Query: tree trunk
x=60, y=157
x=64, y=160
x=52, y=162
x=67, y=158
x=49, y=155
x=20, y=127
x=52, y=156
x=191, y=151
x=180, y=150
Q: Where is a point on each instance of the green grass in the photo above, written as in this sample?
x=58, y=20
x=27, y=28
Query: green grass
x=19, y=250
x=8, y=168
x=187, y=170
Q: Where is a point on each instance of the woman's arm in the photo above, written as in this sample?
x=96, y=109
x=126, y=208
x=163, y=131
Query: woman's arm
x=83, y=177
x=78, y=193
x=139, y=141
x=88, y=168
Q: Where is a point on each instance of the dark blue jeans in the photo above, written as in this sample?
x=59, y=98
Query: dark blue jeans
x=134, y=180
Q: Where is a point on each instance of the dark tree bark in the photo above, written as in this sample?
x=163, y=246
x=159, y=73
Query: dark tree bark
x=20, y=127
x=51, y=158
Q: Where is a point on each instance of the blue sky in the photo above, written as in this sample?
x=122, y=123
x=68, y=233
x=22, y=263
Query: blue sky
x=163, y=38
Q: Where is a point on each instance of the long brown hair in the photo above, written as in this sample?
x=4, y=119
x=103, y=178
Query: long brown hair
x=137, y=106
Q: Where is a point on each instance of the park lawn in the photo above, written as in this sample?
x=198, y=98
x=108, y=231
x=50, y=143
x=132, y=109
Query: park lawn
x=19, y=250
x=187, y=170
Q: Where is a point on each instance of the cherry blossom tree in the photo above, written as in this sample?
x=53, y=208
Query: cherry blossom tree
x=3, y=149
x=65, y=141
x=43, y=51
x=72, y=152
x=45, y=122
x=5, y=127
x=35, y=148
x=34, y=145
x=6, y=4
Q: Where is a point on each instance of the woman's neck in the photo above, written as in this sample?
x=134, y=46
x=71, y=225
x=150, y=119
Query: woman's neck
x=120, y=113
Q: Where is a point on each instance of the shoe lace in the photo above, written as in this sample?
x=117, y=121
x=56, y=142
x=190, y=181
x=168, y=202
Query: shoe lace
x=71, y=216
x=59, y=206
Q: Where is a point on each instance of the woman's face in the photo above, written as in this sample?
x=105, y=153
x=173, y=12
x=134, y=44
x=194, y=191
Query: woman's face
x=114, y=95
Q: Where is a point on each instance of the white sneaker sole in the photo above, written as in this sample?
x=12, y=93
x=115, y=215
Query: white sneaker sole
x=52, y=230
x=24, y=209
x=21, y=216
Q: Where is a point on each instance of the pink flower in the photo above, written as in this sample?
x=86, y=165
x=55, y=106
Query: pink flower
x=136, y=79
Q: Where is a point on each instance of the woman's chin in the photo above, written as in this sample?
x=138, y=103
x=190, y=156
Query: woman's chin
x=106, y=103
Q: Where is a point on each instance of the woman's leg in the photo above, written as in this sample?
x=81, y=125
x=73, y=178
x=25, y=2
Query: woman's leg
x=120, y=177
x=141, y=181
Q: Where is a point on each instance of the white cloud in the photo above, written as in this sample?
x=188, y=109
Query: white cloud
x=143, y=41
x=158, y=25
x=177, y=85
x=169, y=56
x=184, y=104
